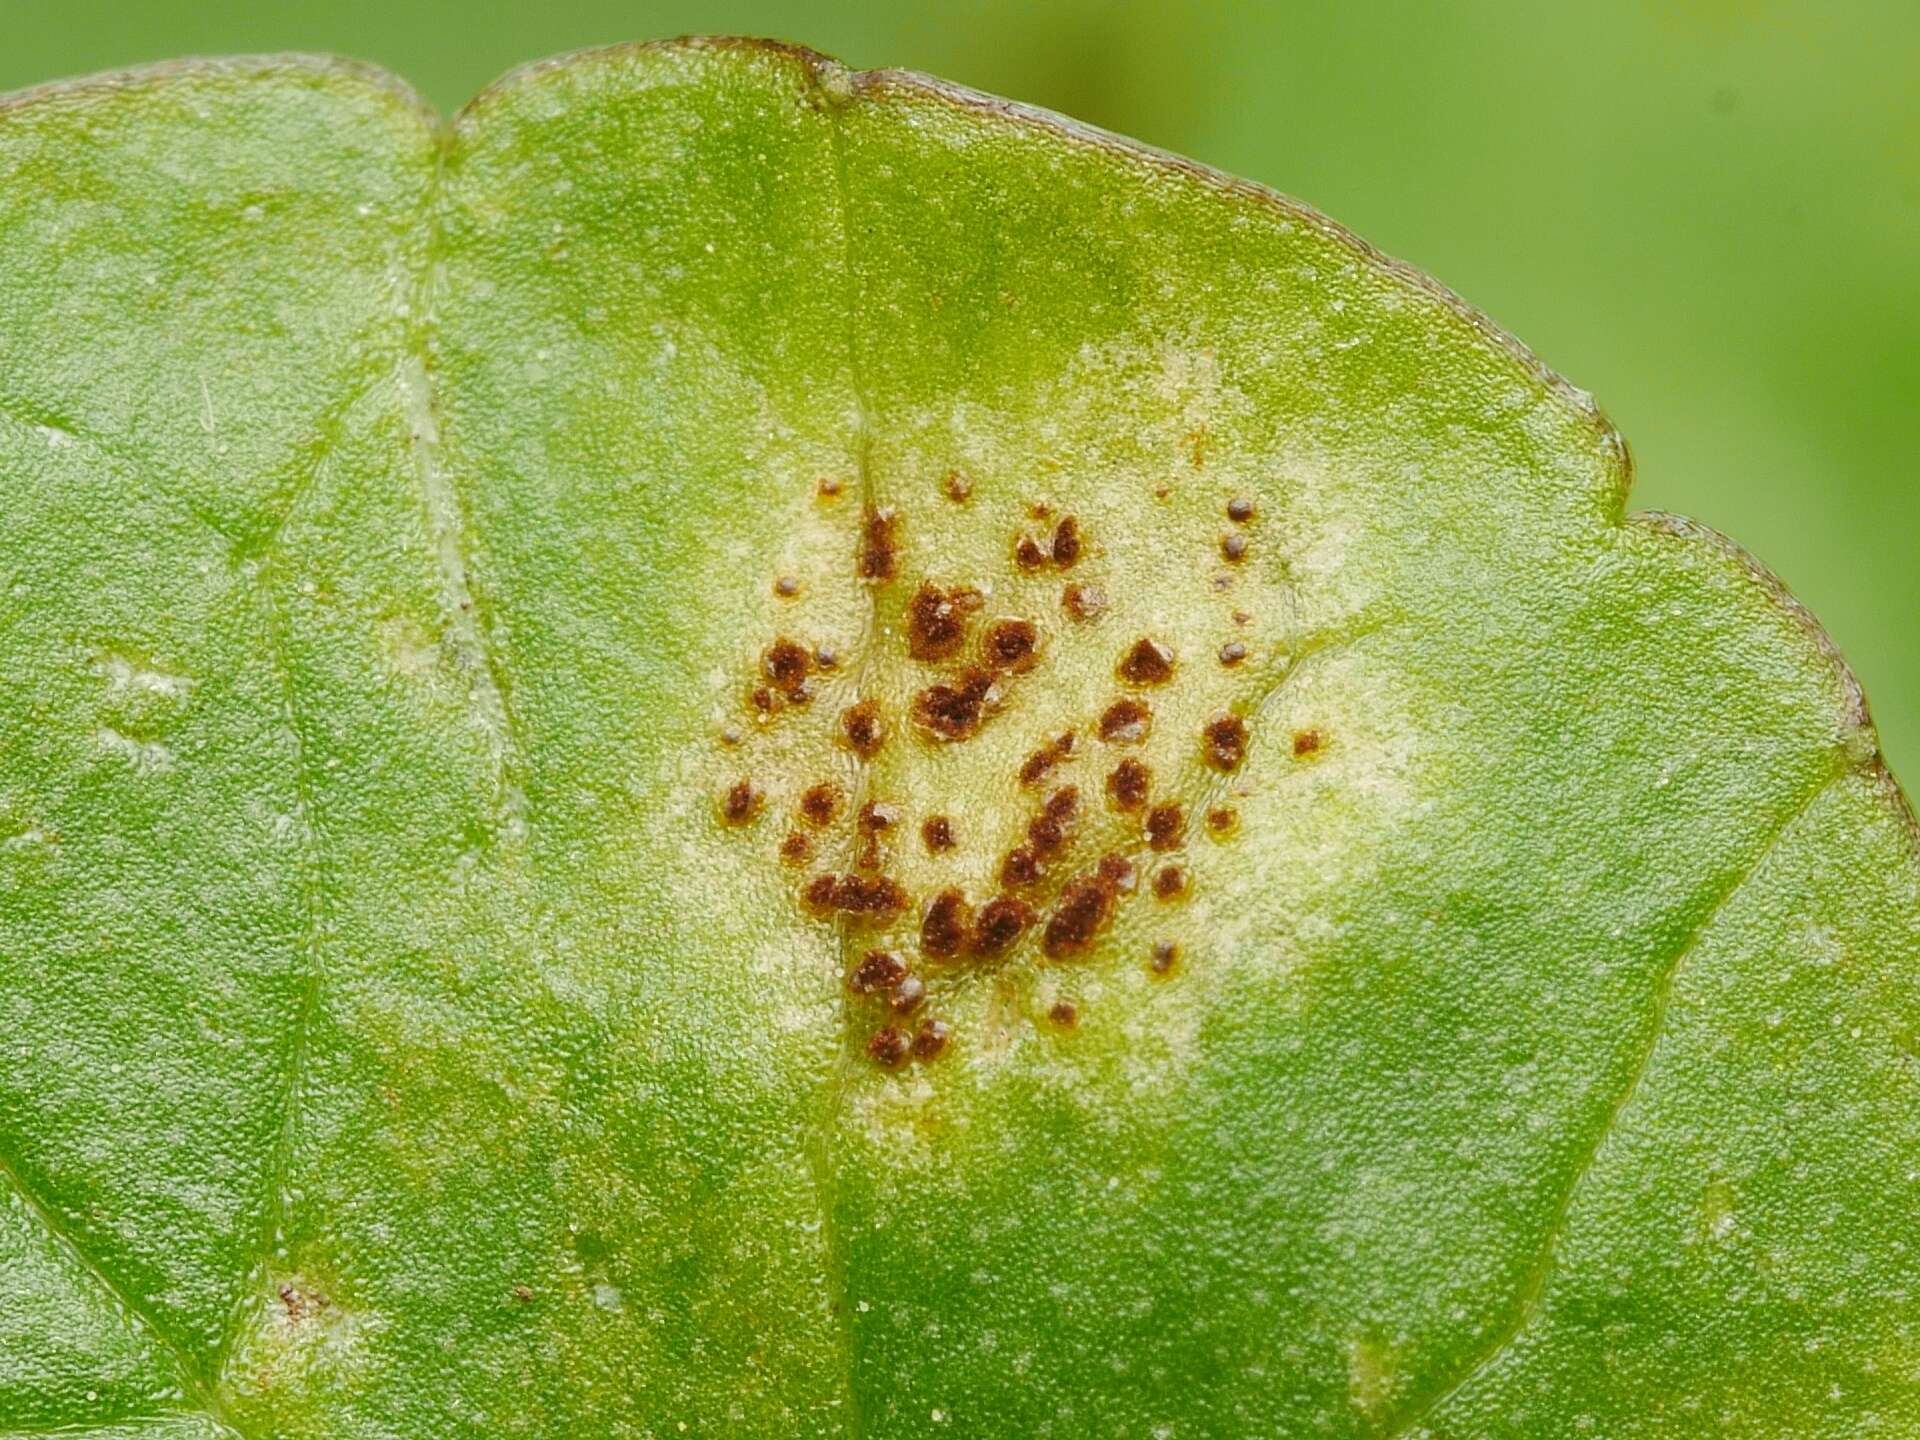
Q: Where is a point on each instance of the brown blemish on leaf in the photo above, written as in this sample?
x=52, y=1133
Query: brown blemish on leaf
x=820, y=804
x=1011, y=645
x=1241, y=617
x=956, y=712
x=764, y=700
x=1028, y=554
x=1126, y=722
x=944, y=926
x=827, y=658
x=908, y=996
x=730, y=735
x=1233, y=548
x=1119, y=873
x=936, y=833
x=828, y=488
x=863, y=728
x=1020, y=869
x=1066, y=542
x=786, y=587
x=1240, y=509
x=302, y=1305
x=1129, y=784
x=1306, y=742
x=1169, y=882
x=1037, y=765
x=1084, y=909
x=878, y=897
x=741, y=803
x=1226, y=742
x=1047, y=832
x=879, y=545
x=878, y=815
x=1065, y=1014
x=957, y=487
x=1165, y=824
x=796, y=849
x=877, y=971
x=1148, y=662
x=887, y=1048
x=937, y=620
x=1083, y=602
x=1223, y=820
x=1166, y=954
x=787, y=665
x=523, y=1293
x=931, y=1039
x=1000, y=923
x=1232, y=653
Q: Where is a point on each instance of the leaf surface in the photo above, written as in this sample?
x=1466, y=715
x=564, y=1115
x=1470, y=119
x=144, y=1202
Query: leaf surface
x=489, y=611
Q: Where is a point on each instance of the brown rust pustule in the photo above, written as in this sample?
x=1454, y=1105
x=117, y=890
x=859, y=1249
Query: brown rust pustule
x=1065, y=548
x=786, y=587
x=879, y=546
x=1039, y=764
x=1169, y=882
x=1130, y=784
x=1232, y=653
x=787, y=665
x=1240, y=509
x=945, y=924
x=1083, y=602
x=1021, y=868
x=1011, y=645
x=1119, y=873
x=1233, y=547
x=1048, y=832
x=936, y=833
x=829, y=488
x=1147, y=662
x=878, y=970
x=1166, y=954
x=1028, y=553
x=999, y=925
x=937, y=620
x=1126, y=722
x=1065, y=1014
x=1085, y=907
x=741, y=803
x=957, y=487
x=863, y=728
x=1307, y=742
x=1166, y=824
x=908, y=996
x=931, y=1039
x=956, y=712
x=796, y=849
x=1225, y=740
x=820, y=804
x=1223, y=820
x=877, y=897
x=888, y=1048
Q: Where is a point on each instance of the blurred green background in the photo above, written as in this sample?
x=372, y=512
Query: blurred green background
x=1705, y=211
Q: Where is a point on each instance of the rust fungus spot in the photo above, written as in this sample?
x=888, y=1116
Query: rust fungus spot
x=877, y=971
x=796, y=849
x=764, y=700
x=1001, y=922
x=1040, y=510
x=1234, y=547
x=1118, y=873
x=1125, y=722
x=819, y=893
x=1226, y=742
x=741, y=803
x=1064, y=1014
x=1147, y=663
x=828, y=488
x=936, y=833
x=908, y=996
x=1020, y=869
x=956, y=712
x=1129, y=784
x=1084, y=909
x=523, y=1293
x=1306, y=742
x=787, y=665
x=931, y=1039
x=1083, y=602
x=1241, y=617
x=1047, y=832
x=1066, y=542
x=731, y=735
x=943, y=929
x=878, y=815
x=863, y=727
x=1223, y=819
x=1165, y=955
x=887, y=1048
x=1240, y=509
x=1027, y=553
x=786, y=587
x=301, y=1304
x=1038, y=764
x=879, y=896
x=937, y=620
x=1232, y=653
x=880, y=545
x=957, y=487
x=1169, y=882
x=1164, y=826
x=819, y=804
x=1011, y=645
x=827, y=658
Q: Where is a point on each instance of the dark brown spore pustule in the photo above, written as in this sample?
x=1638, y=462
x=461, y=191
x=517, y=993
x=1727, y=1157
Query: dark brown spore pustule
x=820, y=804
x=937, y=620
x=1306, y=742
x=796, y=849
x=1083, y=602
x=945, y=925
x=1011, y=645
x=931, y=1039
x=957, y=487
x=1043, y=760
x=1226, y=742
x=1000, y=923
x=1028, y=553
x=1164, y=826
x=908, y=996
x=1223, y=819
x=880, y=546
x=1126, y=722
x=787, y=664
x=1148, y=662
x=1084, y=909
x=1021, y=868
x=1165, y=954
x=888, y=1048
x=1232, y=653
x=878, y=970
x=741, y=803
x=1169, y=882
x=1119, y=874
x=828, y=488
x=1240, y=509
x=1066, y=542
x=866, y=732
x=936, y=833
x=879, y=897
x=1233, y=547
x=1048, y=831
x=1130, y=783
x=954, y=712
x=1065, y=1014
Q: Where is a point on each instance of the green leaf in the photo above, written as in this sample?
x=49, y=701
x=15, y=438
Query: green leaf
x=420, y=1017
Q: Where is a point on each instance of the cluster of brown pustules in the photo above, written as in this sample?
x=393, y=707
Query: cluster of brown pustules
x=1043, y=889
